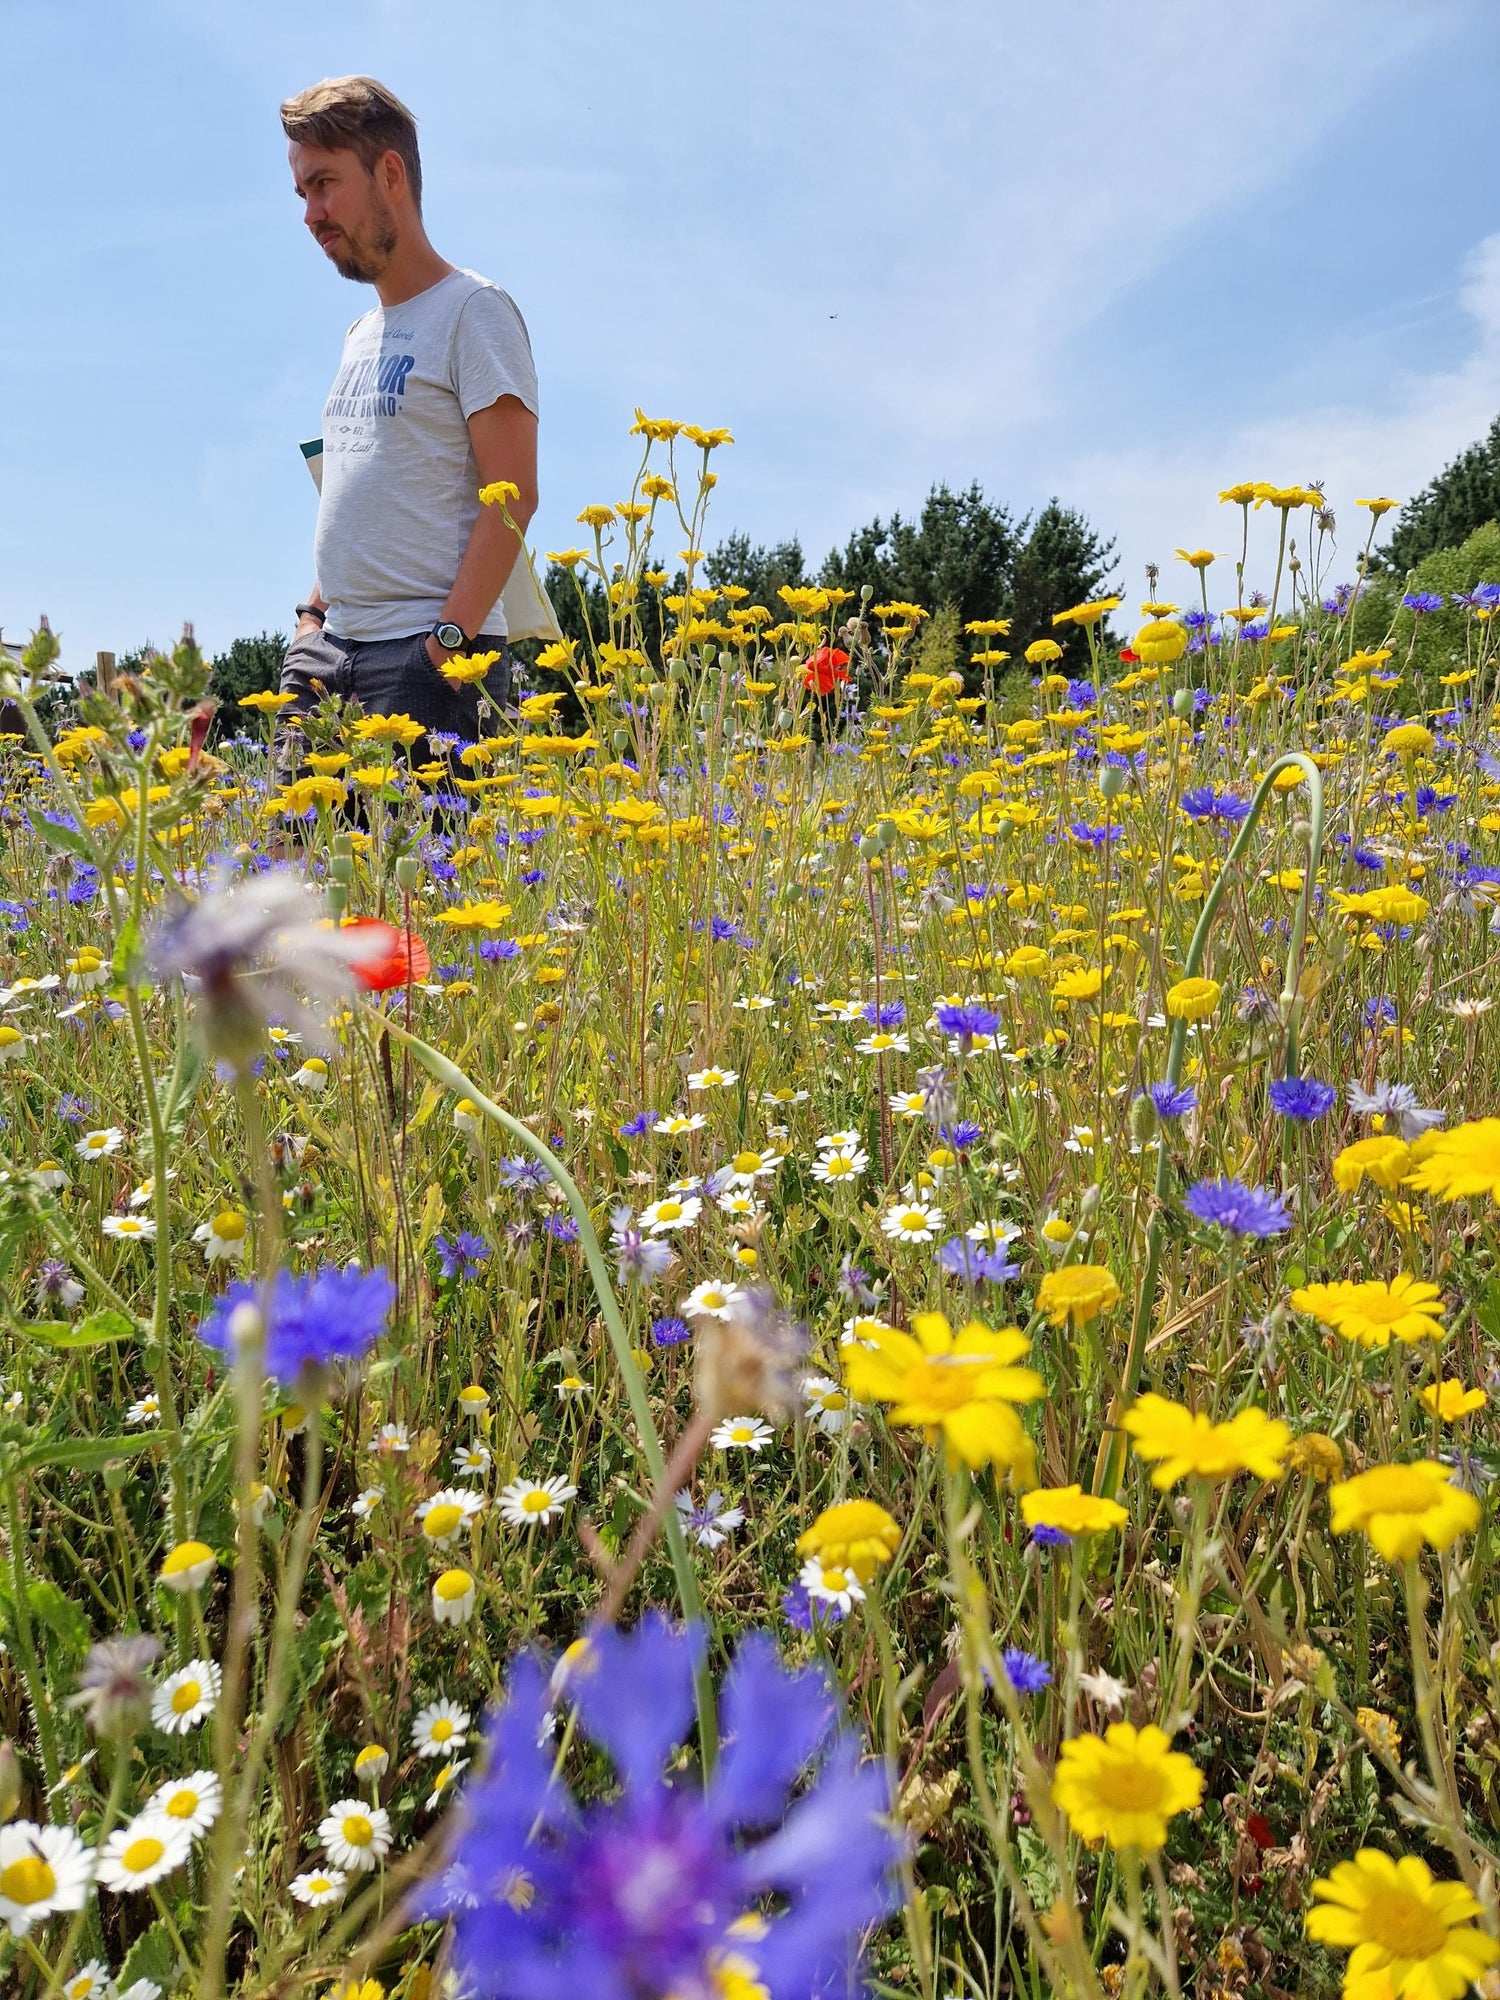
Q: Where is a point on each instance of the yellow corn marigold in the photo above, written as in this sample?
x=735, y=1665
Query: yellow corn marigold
x=1401, y=1507
x=1186, y=1445
x=1123, y=1787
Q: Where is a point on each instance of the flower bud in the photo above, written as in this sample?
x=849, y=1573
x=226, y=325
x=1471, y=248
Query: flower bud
x=888, y=834
x=870, y=848
x=406, y=872
x=1182, y=704
x=1088, y=1207
x=1143, y=1119
x=1111, y=781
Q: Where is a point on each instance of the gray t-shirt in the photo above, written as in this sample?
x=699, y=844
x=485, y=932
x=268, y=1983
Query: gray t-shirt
x=400, y=486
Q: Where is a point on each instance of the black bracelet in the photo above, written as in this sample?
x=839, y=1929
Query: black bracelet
x=311, y=611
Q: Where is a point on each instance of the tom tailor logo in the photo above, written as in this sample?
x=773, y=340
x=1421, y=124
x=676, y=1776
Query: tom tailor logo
x=370, y=386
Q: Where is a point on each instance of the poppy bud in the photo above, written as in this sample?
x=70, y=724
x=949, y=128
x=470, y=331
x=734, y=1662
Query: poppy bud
x=1111, y=781
x=1182, y=704
x=406, y=872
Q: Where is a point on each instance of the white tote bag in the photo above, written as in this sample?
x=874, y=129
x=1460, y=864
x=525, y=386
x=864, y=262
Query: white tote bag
x=528, y=609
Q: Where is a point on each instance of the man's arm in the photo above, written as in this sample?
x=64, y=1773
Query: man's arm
x=319, y=603
x=504, y=440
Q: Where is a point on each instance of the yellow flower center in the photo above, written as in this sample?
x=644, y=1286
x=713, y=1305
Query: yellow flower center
x=27, y=1881
x=713, y=1300
x=1403, y=1925
x=536, y=1502
x=835, y=1579
x=453, y=1584
x=183, y=1804
x=746, y=1163
x=229, y=1225
x=186, y=1697
x=442, y=1521
x=143, y=1853
x=357, y=1830
x=669, y=1211
x=913, y=1218
x=442, y=1729
x=1129, y=1786
x=940, y=1383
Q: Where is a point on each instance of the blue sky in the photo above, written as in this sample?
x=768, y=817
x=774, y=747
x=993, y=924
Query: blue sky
x=1123, y=254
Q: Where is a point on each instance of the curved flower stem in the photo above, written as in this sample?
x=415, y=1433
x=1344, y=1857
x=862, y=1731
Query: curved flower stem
x=452, y=1078
x=1110, y=1466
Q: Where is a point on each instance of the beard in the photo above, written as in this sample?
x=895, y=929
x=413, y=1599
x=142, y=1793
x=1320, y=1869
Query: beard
x=364, y=256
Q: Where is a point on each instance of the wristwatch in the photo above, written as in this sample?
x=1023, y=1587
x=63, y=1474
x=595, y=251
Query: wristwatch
x=452, y=638
x=312, y=611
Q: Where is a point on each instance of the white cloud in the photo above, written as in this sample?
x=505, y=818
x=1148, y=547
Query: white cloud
x=1167, y=498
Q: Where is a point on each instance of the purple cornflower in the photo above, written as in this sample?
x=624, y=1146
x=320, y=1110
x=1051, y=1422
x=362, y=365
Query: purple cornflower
x=498, y=950
x=56, y=1285
x=891, y=1015
x=670, y=1331
x=712, y=1523
x=1238, y=1210
x=1025, y=1672
x=805, y=1613
x=1050, y=1538
x=462, y=1257
x=1171, y=1102
x=644, y=1891
x=310, y=1323
x=966, y=1021
x=974, y=1264
x=637, y=1127
x=1302, y=1098
x=74, y=1110
x=1423, y=600
x=561, y=1228
x=855, y=1285
x=639, y=1258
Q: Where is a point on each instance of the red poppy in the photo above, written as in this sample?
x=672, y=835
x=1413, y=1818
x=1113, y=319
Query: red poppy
x=827, y=667
x=1129, y=657
x=395, y=958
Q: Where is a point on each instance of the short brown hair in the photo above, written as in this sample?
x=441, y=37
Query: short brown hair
x=359, y=114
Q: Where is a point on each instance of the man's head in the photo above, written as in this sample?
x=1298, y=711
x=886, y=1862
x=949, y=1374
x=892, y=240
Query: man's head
x=355, y=164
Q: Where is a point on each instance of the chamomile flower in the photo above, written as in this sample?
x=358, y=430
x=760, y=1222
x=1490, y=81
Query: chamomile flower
x=193, y=1802
x=845, y=1141
x=453, y=1597
x=392, y=1437
x=100, y=1144
x=715, y=1298
x=187, y=1698
x=319, y=1887
x=530, y=1503
x=439, y=1729
x=827, y=1403
x=840, y=1169
x=677, y=1125
x=908, y=1103
x=89, y=1982
x=146, y=1411
x=356, y=1836
x=371, y=1763
x=129, y=1228
x=828, y=1583
x=365, y=1502
x=472, y=1461
x=444, y=1515
x=884, y=1042
x=912, y=1222
x=739, y=1204
x=441, y=1782
x=741, y=1434
x=226, y=1238
x=142, y=1852
x=313, y=1075
x=746, y=1168
x=473, y=1400
x=712, y=1079
x=671, y=1212
x=43, y=1869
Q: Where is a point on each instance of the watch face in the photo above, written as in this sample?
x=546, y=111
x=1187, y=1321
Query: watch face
x=451, y=636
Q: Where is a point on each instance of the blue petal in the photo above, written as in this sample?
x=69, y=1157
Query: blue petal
x=773, y=1722
x=634, y=1693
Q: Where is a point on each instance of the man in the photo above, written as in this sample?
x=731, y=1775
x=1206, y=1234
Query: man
x=435, y=397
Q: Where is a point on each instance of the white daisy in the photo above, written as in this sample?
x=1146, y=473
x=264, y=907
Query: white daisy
x=671, y=1212
x=909, y=1103
x=912, y=1222
x=135, y=1856
x=193, y=1801
x=740, y=1204
x=371, y=1763
x=472, y=1461
x=712, y=1079
x=356, y=1836
x=741, y=1434
x=366, y=1502
x=827, y=1403
x=42, y=1869
x=783, y=1096
x=12, y=1042
x=715, y=1298
x=746, y=1168
x=187, y=1698
x=129, y=1228
x=145, y=1194
x=313, y=1075
x=839, y=1169
x=846, y=1141
x=439, y=1729
x=318, y=1887
x=99, y=1145
x=675, y=1125
x=883, y=1042
x=528, y=1503
x=995, y=1235
x=444, y=1516
x=453, y=1597
x=863, y=1331
x=226, y=1238
x=89, y=1982
x=392, y=1437
x=146, y=1411
x=831, y=1584
x=754, y=1003
x=442, y=1781
x=685, y=1184
x=842, y=1010
x=51, y=1176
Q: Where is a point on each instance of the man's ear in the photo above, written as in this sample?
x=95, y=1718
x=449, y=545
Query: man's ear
x=390, y=176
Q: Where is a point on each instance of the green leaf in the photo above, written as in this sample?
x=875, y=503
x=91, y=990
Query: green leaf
x=98, y=1330
x=1294, y=1276
x=86, y=1454
x=127, y=954
x=61, y=1616
x=152, y=1956
x=62, y=837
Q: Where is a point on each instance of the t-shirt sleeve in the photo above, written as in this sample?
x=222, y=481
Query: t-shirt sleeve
x=492, y=354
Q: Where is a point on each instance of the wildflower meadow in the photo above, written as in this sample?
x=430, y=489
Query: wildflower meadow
x=818, y=1321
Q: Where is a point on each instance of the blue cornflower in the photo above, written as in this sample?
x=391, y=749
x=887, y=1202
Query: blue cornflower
x=962, y=1136
x=84, y=886
x=639, y=1258
x=891, y=1015
x=1025, y=1672
x=1050, y=1538
x=1230, y=810
x=644, y=1893
x=74, y=1110
x=723, y=930
x=561, y=1228
x=524, y=1174
x=1238, y=1210
x=1170, y=1102
x=966, y=1021
x=854, y=1284
x=974, y=1264
x=462, y=1257
x=531, y=876
x=1380, y=1012
x=494, y=950
x=1302, y=1098
x=311, y=1322
x=1423, y=600
x=1366, y=857
x=670, y=1331
x=14, y=913
x=1400, y=1107
x=637, y=1127
x=805, y=1613
x=1198, y=802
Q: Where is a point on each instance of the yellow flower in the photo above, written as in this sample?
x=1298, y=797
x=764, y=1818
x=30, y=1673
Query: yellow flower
x=265, y=701
x=1193, y=999
x=499, y=493
x=1078, y=1292
x=960, y=1386
x=306, y=794
x=1386, y=1159
x=1402, y=1506
x=1084, y=984
x=1378, y=507
x=1409, y=739
x=1240, y=495
x=1199, y=558
x=1463, y=1162
x=1086, y=614
x=474, y=916
x=1160, y=642
x=1188, y=1446
x=1317, y=1456
x=387, y=729
x=855, y=1535
x=1041, y=652
x=1449, y=1400
x=465, y=667
x=1374, y=1312
x=1123, y=1787
x=1396, y=1920
x=1071, y=1511
x=597, y=516
x=187, y=1567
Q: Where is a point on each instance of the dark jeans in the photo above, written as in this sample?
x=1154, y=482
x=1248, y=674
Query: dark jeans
x=387, y=677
